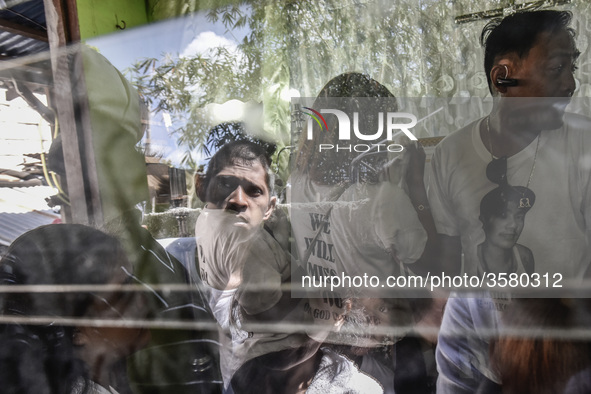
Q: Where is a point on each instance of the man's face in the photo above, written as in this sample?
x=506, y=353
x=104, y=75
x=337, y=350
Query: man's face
x=547, y=70
x=545, y=82
x=242, y=188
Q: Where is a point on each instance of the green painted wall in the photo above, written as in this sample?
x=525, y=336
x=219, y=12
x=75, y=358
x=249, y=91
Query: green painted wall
x=98, y=17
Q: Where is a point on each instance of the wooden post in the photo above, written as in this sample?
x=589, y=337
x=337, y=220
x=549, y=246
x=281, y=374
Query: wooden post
x=73, y=116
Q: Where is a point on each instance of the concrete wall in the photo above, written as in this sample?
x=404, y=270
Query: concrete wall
x=99, y=17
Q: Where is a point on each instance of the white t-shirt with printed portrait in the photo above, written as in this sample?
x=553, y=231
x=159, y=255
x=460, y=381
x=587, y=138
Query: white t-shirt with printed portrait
x=556, y=229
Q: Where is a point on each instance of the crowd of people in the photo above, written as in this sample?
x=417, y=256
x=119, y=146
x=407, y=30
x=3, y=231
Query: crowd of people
x=84, y=311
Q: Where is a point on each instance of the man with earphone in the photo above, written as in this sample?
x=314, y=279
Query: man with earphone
x=530, y=142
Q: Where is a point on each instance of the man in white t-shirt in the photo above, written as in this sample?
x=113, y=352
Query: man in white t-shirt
x=529, y=62
x=240, y=262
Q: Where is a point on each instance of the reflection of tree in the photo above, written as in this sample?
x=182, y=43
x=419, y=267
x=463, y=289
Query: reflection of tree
x=224, y=133
x=412, y=47
x=183, y=86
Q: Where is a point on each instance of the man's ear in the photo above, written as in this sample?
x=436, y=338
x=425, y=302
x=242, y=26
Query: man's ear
x=270, y=208
x=501, y=75
x=201, y=186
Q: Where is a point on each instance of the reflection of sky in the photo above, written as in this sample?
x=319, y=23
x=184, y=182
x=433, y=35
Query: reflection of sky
x=184, y=36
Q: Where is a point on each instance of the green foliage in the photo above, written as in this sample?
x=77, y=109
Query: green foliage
x=183, y=86
x=413, y=48
x=166, y=224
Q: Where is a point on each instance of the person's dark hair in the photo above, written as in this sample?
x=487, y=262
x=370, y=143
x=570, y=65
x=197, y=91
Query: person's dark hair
x=518, y=33
x=274, y=372
x=540, y=363
x=40, y=358
x=495, y=202
x=331, y=167
x=226, y=132
x=236, y=152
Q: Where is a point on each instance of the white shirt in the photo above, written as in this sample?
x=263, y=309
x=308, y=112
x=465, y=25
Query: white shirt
x=555, y=227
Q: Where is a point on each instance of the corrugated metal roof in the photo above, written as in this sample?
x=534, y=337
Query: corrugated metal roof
x=29, y=15
x=13, y=45
x=23, y=209
x=12, y=225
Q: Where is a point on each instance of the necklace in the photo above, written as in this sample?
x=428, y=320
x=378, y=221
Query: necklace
x=524, y=202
